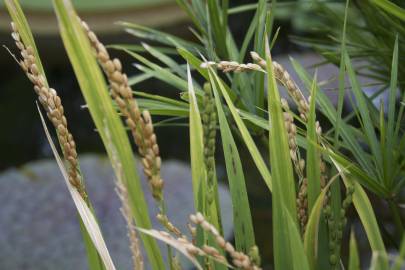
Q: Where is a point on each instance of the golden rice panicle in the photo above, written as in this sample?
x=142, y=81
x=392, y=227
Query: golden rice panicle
x=164, y=220
x=52, y=104
x=232, y=66
x=239, y=259
x=285, y=79
x=291, y=129
x=140, y=123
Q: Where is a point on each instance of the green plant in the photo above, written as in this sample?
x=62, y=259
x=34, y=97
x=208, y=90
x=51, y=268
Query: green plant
x=306, y=174
x=371, y=30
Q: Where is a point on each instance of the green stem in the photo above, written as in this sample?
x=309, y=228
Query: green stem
x=397, y=217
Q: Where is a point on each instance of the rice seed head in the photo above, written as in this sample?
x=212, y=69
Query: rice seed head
x=336, y=226
x=52, y=104
x=164, y=220
x=239, y=259
x=140, y=123
x=232, y=66
x=284, y=78
x=209, y=121
x=302, y=205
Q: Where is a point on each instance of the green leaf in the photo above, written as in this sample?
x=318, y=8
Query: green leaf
x=367, y=216
x=360, y=175
x=354, y=260
x=250, y=144
x=106, y=119
x=390, y=8
x=93, y=258
x=242, y=219
x=341, y=78
x=313, y=155
x=198, y=171
x=196, y=63
x=349, y=137
x=283, y=194
x=161, y=108
x=166, y=60
x=312, y=230
x=159, y=72
x=391, y=138
x=218, y=29
x=158, y=36
x=361, y=102
x=298, y=258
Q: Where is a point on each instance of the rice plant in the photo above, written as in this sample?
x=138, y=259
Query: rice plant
x=313, y=175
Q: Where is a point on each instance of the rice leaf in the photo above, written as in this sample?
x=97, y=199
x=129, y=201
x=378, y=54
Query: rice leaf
x=390, y=8
x=313, y=229
x=361, y=102
x=84, y=211
x=359, y=174
x=196, y=64
x=341, y=77
x=247, y=138
x=313, y=155
x=349, y=137
x=198, y=170
x=283, y=194
x=147, y=33
x=165, y=59
x=367, y=216
x=390, y=137
x=298, y=258
x=354, y=259
x=166, y=100
x=218, y=29
x=242, y=219
x=160, y=73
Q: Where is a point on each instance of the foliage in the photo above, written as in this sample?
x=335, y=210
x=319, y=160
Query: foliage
x=306, y=169
x=372, y=28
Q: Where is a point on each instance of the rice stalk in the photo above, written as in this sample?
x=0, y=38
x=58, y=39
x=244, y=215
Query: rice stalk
x=140, y=123
x=52, y=104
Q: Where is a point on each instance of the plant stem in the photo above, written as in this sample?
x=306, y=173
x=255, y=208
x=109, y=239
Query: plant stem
x=397, y=217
